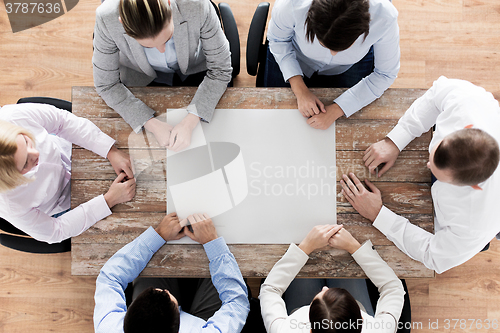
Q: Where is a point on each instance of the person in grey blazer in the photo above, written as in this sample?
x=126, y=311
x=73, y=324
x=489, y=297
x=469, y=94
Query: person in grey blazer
x=137, y=42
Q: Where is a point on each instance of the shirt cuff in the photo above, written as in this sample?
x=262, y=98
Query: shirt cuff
x=347, y=103
x=105, y=144
x=297, y=252
x=366, y=247
x=400, y=137
x=216, y=248
x=138, y=129
x=152, y=239
x=100, y=207
x=385, y=220
x=192, y=110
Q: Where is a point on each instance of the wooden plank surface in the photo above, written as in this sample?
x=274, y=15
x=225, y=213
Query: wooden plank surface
x=405, y=188
x=392, y=104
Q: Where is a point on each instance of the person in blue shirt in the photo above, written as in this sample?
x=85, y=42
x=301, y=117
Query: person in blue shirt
x=333, y=44
x=222, y=306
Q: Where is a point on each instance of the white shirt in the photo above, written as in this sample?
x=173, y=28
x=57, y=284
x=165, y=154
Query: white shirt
x=296, y=56
x=465, y=219
x=29, y=207
x=273, y=308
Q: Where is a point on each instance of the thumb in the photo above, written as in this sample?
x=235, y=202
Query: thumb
x=372, y=187
x=173, y=134
x=386, y=167
x=188, y=233
x=120, y=178
x=334, y=230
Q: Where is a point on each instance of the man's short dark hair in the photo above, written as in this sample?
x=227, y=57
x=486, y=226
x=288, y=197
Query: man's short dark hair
x=470, y=154
x=337, y=23
x=152, y=311
x=336, y=311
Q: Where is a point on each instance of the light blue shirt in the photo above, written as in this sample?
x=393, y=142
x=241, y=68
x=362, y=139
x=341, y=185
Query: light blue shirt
x=165, y=64
x=296, y=56
x=126, y=264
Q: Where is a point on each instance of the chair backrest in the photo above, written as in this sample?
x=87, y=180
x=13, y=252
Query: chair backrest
x=17, y=239
x=256, y=48
x=58, y=103
x=232, y=35
x=405, y=324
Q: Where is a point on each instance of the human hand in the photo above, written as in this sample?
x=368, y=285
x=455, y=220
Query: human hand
x=120, y=162
x=161, y=130
x=307, y=103
x=384, y=151
x=180, y=137
x=122, y=190
x=343, y=240
x=366, y=203
x=318, y=237
x=325, y=120
x=170, y=228
x=203, y=228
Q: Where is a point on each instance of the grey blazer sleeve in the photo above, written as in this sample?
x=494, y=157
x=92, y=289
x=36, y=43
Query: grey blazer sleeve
x=218, y=57
x=106, y=64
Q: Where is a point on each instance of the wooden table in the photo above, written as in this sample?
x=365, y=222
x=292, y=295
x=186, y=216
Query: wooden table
x=405, y=188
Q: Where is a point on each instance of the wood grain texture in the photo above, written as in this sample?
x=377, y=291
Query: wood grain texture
x=391, y=105
x=191, y=261
x=405, y=190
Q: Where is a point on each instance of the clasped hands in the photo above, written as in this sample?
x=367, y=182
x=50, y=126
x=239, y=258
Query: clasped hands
x=333, y=235
x=171, y=228
x=175, y=138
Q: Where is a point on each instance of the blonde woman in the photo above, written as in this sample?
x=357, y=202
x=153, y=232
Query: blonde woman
x=35, y=171
x=160, y=42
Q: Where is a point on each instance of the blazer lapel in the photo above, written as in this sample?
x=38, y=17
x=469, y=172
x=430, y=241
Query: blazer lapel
x=139, y=56
x=180, y=38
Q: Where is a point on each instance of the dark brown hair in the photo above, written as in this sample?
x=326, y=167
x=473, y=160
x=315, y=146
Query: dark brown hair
x=144, y=18
x=337, y=23
x=470, y=154
x=153, y=311
x=336, y=311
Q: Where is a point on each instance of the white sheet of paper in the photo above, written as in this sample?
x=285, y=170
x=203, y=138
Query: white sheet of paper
x=206, y=194
x=174, y=117
x=237, y=178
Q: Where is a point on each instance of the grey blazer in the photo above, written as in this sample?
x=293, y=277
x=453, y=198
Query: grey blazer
x=119, y=60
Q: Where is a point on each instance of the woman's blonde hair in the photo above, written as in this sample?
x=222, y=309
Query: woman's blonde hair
x=10, y=177
x=144, y=18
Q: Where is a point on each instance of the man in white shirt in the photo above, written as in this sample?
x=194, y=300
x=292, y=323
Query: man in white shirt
x=333, y=43
x=464, y=156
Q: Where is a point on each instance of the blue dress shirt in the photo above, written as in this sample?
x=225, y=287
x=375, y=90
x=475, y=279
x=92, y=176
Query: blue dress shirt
x=296, y=56
x=126, y=264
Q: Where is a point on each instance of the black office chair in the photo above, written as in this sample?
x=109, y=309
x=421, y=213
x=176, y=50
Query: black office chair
x=17, y=239
x=404, y=325
x=231, y=32
x=256, y=48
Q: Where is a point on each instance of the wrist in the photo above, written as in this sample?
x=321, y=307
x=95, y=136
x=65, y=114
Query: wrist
x=111, y=152
x=109, y=200
x=191, y=120
x=353, y=246
x=305, y=248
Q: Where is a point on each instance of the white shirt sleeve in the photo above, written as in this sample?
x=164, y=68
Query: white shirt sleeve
x=391, y=300
x=280, y=34
x=64, y=124
x=423, y=113
x=273, y=307
x=48, y=229
x=386, y=60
